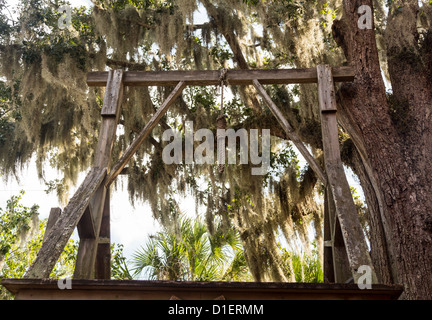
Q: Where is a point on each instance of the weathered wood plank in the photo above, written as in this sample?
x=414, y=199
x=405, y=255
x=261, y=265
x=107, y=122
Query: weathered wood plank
x=103, y=256
x=47, y=289
x=350, y=227
x=103, y=261
x=113, y=93
x=340, y=262
x=291, y=133
x=87, y=252
x=105, y=142
x=118, y=167
x=326, y=95
x=84, y=264
x=110, y=112
x=86, y=227
x=52, y=219
x=328, y=268
x=97, y=205
x=211, y=77
x=65, y=225
x=86, y=258
x=354, y=240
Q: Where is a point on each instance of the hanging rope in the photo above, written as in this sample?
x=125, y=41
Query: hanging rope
x=221, y=122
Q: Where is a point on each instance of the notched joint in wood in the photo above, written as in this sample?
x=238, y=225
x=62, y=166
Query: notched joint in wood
x=328, y=110
x=328, y=243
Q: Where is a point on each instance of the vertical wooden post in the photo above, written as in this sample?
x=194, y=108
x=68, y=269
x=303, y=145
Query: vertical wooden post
x=347, y=225
x=328, y=267
x=340, y=262
x=103, y=256
x=94, y=247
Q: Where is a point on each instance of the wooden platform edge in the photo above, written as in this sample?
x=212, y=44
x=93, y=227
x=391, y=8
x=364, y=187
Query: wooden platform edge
x=160, y=290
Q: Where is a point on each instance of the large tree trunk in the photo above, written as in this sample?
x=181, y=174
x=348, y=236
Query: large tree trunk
x=377, y=239
x=393, y=138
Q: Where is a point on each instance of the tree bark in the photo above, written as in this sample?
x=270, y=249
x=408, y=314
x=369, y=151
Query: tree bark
x=377, y=240
x=397, y=152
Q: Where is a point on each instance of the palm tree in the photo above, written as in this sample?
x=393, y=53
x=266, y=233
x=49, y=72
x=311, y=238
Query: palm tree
x=303, y=267
x=193, y=255
x=160, y=259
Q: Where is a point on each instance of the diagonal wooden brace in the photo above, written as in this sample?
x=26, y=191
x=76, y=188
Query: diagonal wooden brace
x=144, y=133
x=291, y=133
x=63, y=228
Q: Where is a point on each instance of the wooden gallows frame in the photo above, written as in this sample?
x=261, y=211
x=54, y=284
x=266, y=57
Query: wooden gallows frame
x=345, y=248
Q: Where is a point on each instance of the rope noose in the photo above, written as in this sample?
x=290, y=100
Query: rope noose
x=221, y=123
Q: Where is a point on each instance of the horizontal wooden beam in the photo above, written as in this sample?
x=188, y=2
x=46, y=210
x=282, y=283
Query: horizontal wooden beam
x=211, y=77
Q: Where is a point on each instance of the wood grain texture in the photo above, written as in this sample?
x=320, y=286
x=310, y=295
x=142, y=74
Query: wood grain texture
x=211, y=77
x=194, y=290
x=347, y=217
x=88, y=248
x=326, y=94
x=52, y=219
x=62, y=230
x=103, y=255
x=110, y=114
x=340, y=262
x=113, y=94
x=86, y=227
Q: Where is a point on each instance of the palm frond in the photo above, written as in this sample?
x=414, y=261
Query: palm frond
x=193, y=254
